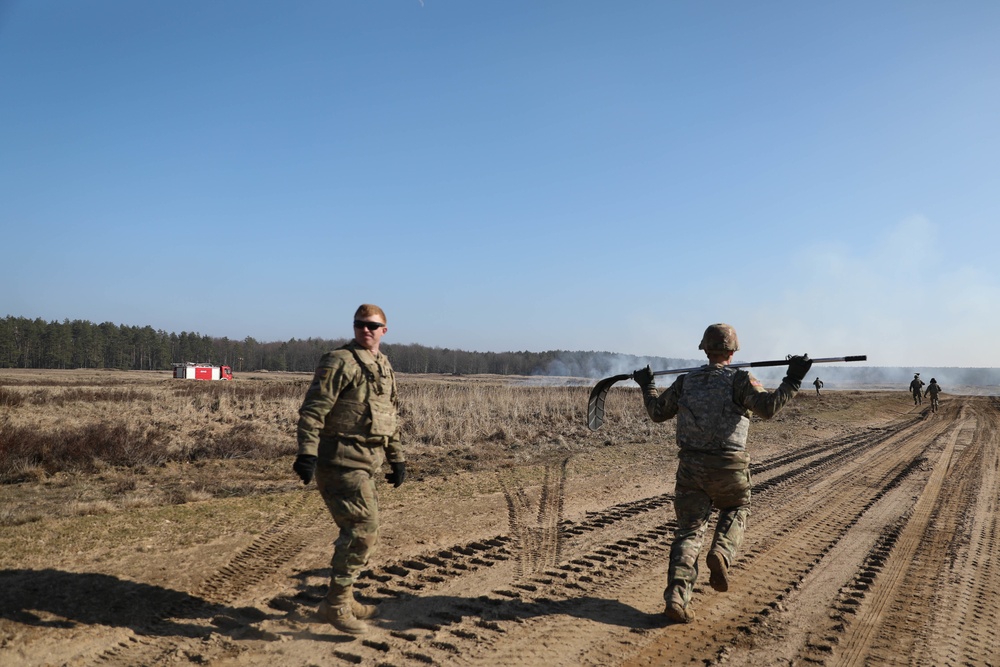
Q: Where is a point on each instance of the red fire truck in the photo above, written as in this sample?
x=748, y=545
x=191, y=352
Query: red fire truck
x=193, y=371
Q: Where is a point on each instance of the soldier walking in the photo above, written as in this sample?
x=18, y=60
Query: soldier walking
x=817, y=383
x=933, y=389
x=713, y=406
x=348, y=426
x=916, y=388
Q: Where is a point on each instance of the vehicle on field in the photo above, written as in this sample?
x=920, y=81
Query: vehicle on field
x=196, y=371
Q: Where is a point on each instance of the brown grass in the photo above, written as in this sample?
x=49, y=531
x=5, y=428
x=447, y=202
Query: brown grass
x=93, y=442
x=140, y=438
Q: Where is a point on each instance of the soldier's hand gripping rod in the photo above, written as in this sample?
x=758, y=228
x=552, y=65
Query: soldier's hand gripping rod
x=595, y=406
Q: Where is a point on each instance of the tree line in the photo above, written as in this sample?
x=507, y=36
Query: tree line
x=35, y=343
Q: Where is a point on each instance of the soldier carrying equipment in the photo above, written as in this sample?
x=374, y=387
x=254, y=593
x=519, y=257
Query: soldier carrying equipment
x=599, y=394
x=712, y=404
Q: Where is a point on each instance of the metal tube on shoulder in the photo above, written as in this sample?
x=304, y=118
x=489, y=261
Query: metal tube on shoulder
x=598, y=395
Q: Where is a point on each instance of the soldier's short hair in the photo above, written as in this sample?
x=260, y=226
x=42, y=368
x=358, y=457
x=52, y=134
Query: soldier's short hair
x=369, y=309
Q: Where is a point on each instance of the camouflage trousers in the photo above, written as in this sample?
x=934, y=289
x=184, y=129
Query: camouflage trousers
x=704, y=481
x=350, y=496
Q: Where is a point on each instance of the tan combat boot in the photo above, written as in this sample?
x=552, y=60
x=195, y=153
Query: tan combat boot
x=363, y=611
x=677, y=607
x=337, y=610
x=718, y=571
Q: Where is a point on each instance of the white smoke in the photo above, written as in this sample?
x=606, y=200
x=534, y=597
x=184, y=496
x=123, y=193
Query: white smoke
x=896, y=301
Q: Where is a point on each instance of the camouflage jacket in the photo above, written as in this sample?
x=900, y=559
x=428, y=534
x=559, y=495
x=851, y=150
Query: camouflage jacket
x=349, y=416
x=713, y=406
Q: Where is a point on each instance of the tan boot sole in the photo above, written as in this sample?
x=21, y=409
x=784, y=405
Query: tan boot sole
x=678, y=614
x=676, y=610
x=718, y=572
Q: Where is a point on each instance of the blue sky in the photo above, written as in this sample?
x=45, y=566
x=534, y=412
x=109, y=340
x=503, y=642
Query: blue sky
x=511, y=175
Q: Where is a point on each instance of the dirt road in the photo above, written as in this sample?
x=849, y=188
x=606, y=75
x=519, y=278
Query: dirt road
x=873, y=543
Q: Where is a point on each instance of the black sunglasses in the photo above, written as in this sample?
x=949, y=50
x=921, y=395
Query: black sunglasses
x=371, y=326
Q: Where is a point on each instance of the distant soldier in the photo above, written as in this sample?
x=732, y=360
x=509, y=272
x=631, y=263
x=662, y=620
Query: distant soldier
x=817, y=383
x=713, y=406
x=933, y=389
x=348, y=426
x=916, y=388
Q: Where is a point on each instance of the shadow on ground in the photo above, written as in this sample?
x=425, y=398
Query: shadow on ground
x=59, y=599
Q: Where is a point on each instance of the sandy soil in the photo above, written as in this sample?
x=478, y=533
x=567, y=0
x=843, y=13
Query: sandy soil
x=873, y=541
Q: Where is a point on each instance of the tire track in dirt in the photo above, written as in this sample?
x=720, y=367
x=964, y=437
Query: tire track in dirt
x=536, y=539
x=975, y=570
x=947, y=598
x=532, y=610
x=863, y=632
x=550, y=631
x=151, y=643
x=560, y=592
x=967, y=599
x=426, y=625
x=535, y=618
x=940, y=584
x=800, y=514
x=630, y=585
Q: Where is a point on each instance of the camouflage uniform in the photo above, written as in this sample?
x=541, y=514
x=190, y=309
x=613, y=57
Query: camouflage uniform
x=349, y=420
x=712, y=406
x=933, y=389
x=916, y=386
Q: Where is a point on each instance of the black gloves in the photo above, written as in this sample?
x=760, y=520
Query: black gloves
x=398, y=473
x=798, y=366
x=644, y=377
x=305, y=467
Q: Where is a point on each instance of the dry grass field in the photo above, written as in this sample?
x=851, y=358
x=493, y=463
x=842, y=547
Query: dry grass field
x=152, y=521
x=116, y=440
